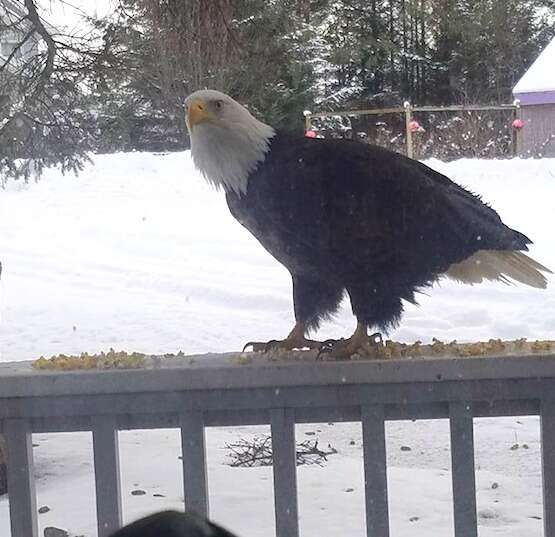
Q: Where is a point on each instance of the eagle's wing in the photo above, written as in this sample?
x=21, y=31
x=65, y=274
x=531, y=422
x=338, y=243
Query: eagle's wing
x=366, y=208
x=431, y=224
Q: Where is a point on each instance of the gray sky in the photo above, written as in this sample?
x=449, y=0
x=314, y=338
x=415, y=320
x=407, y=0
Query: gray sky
x=68, y=12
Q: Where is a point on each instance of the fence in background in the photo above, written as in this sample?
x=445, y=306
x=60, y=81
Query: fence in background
x=408, y=110
x=218, y=390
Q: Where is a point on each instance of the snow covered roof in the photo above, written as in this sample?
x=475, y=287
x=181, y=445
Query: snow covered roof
x=537, y=86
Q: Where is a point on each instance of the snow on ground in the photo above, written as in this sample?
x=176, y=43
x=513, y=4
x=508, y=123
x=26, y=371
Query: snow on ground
x=138, y=253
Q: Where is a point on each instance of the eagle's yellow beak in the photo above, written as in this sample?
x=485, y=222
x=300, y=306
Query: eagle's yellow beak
x=197, y=113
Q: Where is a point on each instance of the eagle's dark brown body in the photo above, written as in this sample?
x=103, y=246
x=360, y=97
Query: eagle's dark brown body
x=346, y=216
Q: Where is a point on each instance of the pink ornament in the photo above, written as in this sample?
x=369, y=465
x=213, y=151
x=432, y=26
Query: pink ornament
x=310, y=134
x=414, y=126
x=518, y=124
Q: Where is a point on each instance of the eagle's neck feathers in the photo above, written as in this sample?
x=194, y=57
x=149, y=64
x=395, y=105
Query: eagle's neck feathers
x=227, y=153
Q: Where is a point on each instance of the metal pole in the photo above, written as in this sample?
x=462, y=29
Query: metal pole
x=193, y=451
x=285, y=472
x=547, y=413
x=462, y=469
x=307, y=120
x=408, y=119
x=107, y=474
x=516, y=132
x=21, y=479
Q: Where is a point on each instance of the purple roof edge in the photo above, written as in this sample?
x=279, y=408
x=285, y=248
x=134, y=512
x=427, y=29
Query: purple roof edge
x=537, y=97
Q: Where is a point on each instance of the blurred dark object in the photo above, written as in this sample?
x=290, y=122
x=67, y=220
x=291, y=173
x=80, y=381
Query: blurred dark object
x=172, y=524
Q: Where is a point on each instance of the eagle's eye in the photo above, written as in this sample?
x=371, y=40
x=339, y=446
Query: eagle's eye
x=219, y=104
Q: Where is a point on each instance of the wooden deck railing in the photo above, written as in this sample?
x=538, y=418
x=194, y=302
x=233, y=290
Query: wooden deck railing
x=219, y=391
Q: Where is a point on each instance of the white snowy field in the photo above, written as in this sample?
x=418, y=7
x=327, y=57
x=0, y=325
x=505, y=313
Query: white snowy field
x=138, y=253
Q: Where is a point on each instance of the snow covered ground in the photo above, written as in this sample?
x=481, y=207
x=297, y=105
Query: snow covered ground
x=138, y=253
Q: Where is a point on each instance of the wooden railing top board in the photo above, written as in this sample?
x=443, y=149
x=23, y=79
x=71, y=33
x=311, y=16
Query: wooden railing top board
x=229, y=371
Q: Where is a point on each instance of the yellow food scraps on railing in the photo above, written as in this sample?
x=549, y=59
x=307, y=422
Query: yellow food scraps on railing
x=374, y=351
x=104, y=360
x=395, y=350
x=492, y=347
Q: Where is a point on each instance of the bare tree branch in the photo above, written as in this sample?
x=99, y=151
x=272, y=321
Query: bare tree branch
x=50, y=44
x=16, y=49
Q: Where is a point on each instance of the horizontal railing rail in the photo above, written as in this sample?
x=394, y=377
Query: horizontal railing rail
x=193, y=393
x=402, y=109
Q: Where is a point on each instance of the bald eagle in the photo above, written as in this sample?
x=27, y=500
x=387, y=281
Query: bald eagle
x=348, y=217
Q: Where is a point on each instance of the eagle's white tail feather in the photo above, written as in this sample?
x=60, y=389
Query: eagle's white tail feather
x=502, y=266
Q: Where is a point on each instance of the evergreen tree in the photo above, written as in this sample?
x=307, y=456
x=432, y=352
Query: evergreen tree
x=126, y=90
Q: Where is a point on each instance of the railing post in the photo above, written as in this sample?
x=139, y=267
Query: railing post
x=285, y=472
x=408, y=119
x=547, y=420
x=375, y=471
x=21, y=481
x=193, y=450
x=307, y=120
x=516, y=132
x=107, y=474
x=462, y=469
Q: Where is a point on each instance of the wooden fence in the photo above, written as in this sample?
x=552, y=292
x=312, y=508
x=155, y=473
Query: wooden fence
x=220, y=390
x=409, y=110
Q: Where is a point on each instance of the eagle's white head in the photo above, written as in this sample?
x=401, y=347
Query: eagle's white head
x=227, y=142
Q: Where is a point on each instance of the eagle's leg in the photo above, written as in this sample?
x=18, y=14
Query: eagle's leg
x=295, y=340
x=359, y=343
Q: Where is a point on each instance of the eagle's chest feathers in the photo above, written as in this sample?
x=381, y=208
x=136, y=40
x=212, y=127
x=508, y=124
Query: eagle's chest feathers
x=227, y=156
x=280, y=234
